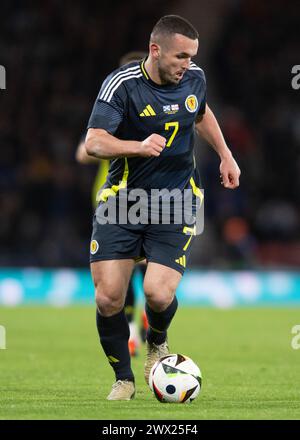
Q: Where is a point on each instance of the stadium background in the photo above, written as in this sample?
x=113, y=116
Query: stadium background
x=56, y=55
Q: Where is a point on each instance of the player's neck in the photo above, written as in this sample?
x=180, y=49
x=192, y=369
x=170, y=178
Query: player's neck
x=152, y=71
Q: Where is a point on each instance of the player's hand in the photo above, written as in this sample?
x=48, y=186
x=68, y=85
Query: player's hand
x=229, y=173
x=153, y=145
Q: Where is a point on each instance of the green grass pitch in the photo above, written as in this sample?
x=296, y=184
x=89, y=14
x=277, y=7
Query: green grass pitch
x=53, y=367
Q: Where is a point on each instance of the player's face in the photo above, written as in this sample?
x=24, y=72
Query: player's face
x=174, y=58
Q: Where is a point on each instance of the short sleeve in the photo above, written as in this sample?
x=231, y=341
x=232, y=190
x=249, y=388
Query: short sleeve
x=109, y=109
x=202, y=104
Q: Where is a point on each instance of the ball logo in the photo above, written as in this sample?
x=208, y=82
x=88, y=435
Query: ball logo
x=94, y=246
x=191, y=103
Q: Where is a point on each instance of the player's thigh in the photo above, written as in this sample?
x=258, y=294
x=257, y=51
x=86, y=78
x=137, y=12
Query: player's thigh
x=160, y=284
x=169, y=245
x=111, y=278
x=114, y=241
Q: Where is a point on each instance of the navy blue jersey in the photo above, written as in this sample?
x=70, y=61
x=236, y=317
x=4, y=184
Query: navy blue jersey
x=131, y=106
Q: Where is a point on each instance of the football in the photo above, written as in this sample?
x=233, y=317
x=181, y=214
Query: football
x=175, y=378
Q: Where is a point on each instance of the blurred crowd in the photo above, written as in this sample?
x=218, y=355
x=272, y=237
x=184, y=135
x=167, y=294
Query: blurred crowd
x=259, y=112
x=56, y=56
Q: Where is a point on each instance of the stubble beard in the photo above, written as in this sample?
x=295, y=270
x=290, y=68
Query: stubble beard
x=165, y=78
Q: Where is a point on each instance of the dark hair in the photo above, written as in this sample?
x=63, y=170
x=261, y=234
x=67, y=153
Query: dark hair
x=174, y=24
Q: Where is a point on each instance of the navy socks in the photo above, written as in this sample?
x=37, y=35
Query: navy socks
x=114, y=334
x=159, y=322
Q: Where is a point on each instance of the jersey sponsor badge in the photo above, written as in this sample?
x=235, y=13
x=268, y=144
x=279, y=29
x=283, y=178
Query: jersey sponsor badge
x=191, y=103
x=171, y=109
x=94, y=246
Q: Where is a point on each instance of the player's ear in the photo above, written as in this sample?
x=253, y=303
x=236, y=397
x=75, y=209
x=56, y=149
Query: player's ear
x=154, y=50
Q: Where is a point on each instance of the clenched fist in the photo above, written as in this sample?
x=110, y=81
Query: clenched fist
x=229, y=173
x=152, y=145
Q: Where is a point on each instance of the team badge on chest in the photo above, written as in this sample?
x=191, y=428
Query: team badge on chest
x=191, y=103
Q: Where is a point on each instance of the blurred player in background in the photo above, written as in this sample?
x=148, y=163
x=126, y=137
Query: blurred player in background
x=136, y=335
x=144, y=119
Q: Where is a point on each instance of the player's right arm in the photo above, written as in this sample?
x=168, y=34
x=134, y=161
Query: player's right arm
x=102, y=145
x=109, y=111
x=82, y=157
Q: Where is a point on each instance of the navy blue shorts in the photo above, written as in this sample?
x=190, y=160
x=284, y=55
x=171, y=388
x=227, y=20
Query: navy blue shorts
x=169, y=245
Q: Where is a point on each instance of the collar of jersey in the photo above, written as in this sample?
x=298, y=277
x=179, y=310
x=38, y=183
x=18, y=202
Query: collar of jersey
x=150, y=81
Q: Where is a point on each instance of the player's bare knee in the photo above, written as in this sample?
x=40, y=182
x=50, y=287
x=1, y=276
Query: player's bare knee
x=166, y=288
x=108, y=304
x=107, y=307
x=158, y=304
x=158, y=297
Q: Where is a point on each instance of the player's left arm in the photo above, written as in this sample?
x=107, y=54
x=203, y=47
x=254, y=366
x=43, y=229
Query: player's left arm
x=207, y=126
